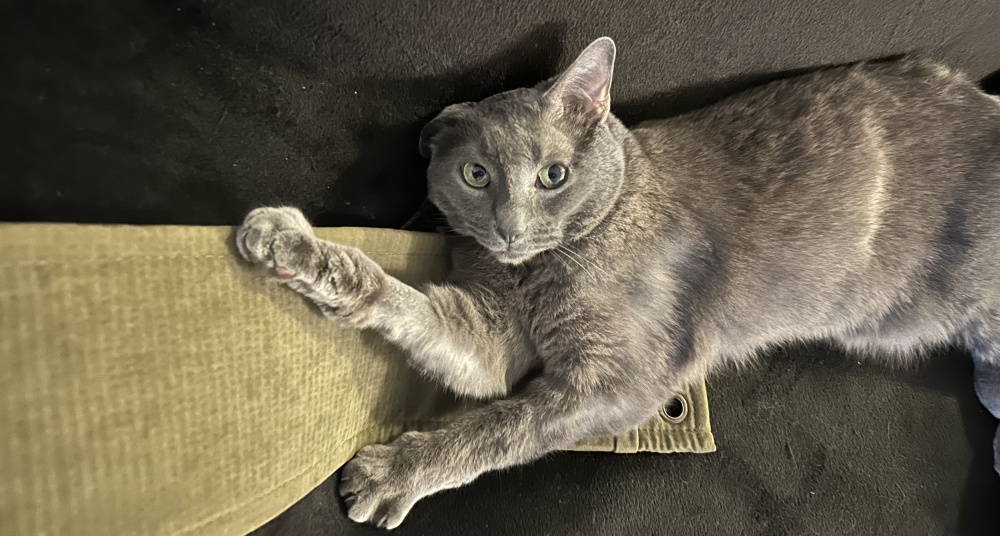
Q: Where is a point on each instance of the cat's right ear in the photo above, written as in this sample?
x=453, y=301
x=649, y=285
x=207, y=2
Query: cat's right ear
x=430, y=135
x=584, y=91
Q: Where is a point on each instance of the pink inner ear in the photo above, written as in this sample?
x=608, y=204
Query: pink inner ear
x=585, y=87
x=585, y=98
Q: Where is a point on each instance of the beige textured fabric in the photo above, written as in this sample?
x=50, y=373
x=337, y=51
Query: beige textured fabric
x=152, y=384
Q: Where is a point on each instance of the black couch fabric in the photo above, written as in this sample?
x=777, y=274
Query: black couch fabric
x=193, y=112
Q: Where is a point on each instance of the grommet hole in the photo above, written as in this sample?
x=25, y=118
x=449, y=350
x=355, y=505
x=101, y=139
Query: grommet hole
x=676, y=410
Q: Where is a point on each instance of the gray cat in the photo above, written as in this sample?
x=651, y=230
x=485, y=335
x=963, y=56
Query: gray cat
x=606, y=267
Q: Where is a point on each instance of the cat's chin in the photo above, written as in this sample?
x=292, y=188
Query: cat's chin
x=513, y=258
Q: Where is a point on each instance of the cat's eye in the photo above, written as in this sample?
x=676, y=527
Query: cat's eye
x=475, y=175
x=551, y=177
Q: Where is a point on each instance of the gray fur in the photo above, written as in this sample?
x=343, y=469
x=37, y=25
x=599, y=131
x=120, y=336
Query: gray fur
x=858, y=204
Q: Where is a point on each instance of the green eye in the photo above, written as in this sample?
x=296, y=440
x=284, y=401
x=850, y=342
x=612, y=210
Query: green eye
x=475, y=175
x=551, y=177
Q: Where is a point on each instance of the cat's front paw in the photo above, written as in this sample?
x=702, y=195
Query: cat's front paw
x=373, y=489
x=255, y=238
x=382, y=482
x=342, y=281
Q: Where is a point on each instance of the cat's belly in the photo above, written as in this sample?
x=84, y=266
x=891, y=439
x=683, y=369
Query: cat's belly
x=884, y=320
x=897, y=337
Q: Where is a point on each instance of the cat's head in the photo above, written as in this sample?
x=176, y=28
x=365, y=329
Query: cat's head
x=531, y=169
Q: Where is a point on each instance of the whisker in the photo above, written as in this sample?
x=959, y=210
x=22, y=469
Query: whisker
x=558, y=258
x=563, y=250
x=581, y=258
x=592, y=263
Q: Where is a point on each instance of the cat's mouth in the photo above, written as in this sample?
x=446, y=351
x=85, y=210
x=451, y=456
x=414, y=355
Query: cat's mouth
x=514, y=257
x=513, y=254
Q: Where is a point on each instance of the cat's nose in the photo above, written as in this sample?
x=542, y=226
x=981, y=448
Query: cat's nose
x=508, y=235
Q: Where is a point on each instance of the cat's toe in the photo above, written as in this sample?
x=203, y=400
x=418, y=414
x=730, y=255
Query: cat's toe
x=384, y=512
x=294, y=254
x=248, y=244
x=373, y=491
x=255, y=235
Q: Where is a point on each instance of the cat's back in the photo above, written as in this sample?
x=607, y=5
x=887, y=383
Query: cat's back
x=822, y=156
x=848, y=185
x=822, y=150
x=915, y=104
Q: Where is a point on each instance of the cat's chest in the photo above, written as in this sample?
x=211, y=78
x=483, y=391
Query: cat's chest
x=543, y=294
x=605, y=308
x=559, y=307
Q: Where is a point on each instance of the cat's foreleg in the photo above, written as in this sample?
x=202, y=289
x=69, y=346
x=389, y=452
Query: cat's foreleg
x=382, y=482
x=460, y=337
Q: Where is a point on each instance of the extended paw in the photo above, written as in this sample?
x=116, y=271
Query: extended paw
x=257, y=235
x=382, y=482
x=342, y=281
x=374, y=490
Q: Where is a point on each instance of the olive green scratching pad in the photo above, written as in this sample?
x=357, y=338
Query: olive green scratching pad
x=151, y=383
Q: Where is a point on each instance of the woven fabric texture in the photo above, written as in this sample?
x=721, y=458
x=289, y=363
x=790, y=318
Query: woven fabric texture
x=150, y=383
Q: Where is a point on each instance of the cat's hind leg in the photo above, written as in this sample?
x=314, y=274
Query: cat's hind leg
x=988, y=389
x=985, y=348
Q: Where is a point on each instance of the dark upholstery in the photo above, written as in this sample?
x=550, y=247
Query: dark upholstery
x=193, y=112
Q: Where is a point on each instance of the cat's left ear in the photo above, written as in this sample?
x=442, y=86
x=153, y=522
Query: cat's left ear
x=583, y=91
x=448, y=118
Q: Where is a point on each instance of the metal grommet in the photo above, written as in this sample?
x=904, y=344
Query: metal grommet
x=676, y=410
